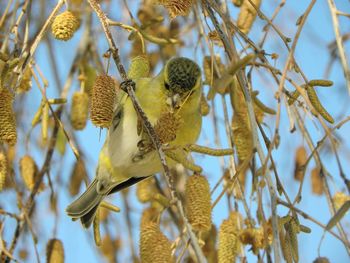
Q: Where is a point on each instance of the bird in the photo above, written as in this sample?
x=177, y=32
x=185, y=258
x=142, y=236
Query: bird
x=128, y=156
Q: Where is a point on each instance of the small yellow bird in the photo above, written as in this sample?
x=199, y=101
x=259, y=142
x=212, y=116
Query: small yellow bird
x=127, y=157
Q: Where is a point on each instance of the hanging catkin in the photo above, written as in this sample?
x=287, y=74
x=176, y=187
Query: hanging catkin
x=198, y=202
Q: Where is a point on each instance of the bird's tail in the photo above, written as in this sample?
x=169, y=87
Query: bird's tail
x=85, y=207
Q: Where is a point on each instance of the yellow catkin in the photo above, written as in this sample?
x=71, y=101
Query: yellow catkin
x=339, y=199
x=102, y=101
x=77, y=176
x=285, y=246
x=229, y=244
x=247, y=15
x=145, y=190
x=237, y=3
x=88, y=74
x=316, y=182
x=79, y=110
x=3, y=170
x=26, y=82
x=154, y=245
x=29, y=170
x=45, y=119
x=321, y=260
x=252, y=236
x=139, y=67
x=65, y=25
x=167, y=126
x=242, y=137
x=320, y=82
x=176, y=7
x=311, y=93
x=198, y=202
x=8, y=133
x=54, y=251
x=300, y=161
x=242, y=134
x=96, y=228
x=292, y=229
x=258, y=238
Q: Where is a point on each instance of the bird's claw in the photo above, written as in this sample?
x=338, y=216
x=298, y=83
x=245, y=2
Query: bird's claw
x=127, y=83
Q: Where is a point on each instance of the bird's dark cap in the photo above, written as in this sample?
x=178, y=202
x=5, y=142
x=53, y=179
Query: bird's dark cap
x=182, y=74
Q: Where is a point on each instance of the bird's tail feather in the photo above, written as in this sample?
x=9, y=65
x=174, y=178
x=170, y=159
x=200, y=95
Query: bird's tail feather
x=86, y=205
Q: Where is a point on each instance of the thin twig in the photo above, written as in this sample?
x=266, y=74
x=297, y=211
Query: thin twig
x=338, y=38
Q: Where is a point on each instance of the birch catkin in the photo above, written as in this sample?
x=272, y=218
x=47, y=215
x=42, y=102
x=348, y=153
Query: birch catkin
x=229, y=244
x=177, y=8
x=8, y=133
x=3, y=170
x=28, y=170
x=79, y=110
x=247, y=15
x=102, y=101
x=54, y=251
x=65, y=25
x=154, y=246
x=198, y=202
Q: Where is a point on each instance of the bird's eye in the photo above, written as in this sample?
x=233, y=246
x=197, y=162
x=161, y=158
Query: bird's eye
x=166, y=85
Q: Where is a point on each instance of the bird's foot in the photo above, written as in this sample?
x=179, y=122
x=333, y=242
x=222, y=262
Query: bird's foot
x=127, y=83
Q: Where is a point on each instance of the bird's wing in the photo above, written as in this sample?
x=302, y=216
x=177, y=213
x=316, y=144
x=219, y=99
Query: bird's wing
x=118, y=109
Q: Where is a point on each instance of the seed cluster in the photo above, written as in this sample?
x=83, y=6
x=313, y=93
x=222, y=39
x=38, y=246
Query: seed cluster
x=65, y=25
x=139, y=67
x=102, y=101
x=300, y=161
x=316, y=182
x=247, y=15
x=177, y=8
x=54, y=251
x=198, y=202
x=229, y=244
x=80, y=110
x=29, y=170
x=167, y=127
x=3, y=170
x=339, y=199
x=242, y=136
x=26, y=82
x=8, y=133
x=77, y=176
x=154, y=245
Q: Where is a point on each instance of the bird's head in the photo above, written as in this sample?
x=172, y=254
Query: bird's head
x=182, y=78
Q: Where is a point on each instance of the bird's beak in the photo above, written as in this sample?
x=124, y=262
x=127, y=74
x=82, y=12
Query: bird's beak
x=174, y=101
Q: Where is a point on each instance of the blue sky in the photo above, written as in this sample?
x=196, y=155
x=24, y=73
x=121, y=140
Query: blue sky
x=311, y=54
